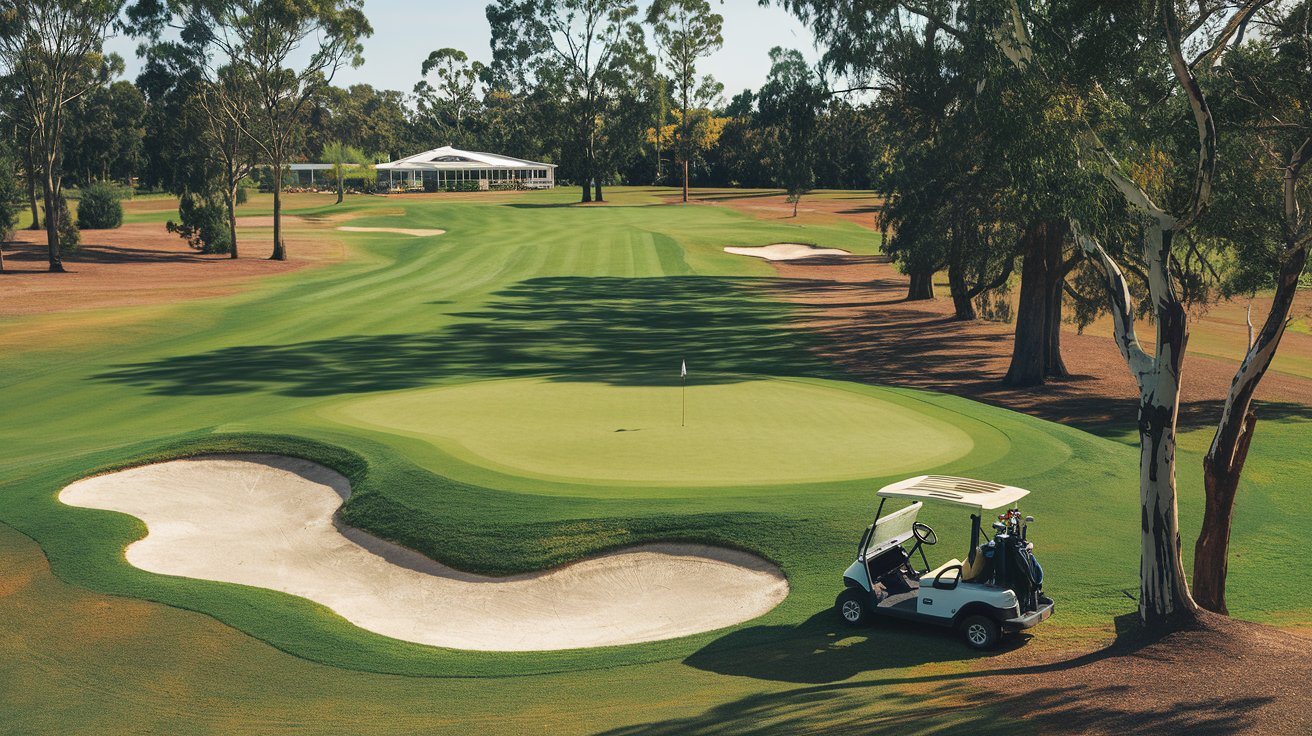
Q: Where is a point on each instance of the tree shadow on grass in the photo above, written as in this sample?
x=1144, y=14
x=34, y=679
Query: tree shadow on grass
x=949, y=706
x=622, y=331
x=825, y=657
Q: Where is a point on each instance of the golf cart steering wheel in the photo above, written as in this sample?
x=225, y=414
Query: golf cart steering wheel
x=924, y=534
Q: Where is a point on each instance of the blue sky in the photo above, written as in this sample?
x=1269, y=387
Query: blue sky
x=405, y=31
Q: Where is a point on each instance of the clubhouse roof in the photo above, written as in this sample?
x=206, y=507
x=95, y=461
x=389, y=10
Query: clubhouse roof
x=447, y=166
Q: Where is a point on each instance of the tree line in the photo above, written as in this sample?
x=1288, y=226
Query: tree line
x=611, y=92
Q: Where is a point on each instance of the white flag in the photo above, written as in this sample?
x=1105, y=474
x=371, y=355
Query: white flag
x=683, y=370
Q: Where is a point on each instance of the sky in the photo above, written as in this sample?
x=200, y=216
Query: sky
x=405, y=31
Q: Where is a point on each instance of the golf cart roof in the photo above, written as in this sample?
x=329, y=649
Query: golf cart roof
x=980, y=495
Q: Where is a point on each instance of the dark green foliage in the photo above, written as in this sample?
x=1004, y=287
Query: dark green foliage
x=204, y=224
x=460, y=186
x=69, y=237
x=430, y=185
x=789, y=103
x=99, y=208
x=104, y=133
x=11, y=199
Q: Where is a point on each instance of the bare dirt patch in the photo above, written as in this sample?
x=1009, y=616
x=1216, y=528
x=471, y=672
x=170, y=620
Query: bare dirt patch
x=139, y=263
x=266, y=221
x=269, y=522
x=1220, y=676
x=856, y=207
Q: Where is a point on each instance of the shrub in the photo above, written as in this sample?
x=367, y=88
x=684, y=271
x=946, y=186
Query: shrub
x=99, y=208
x=69, y=237
x=10, y=200
x=462, y=186
x=204, y=224
x=430, y=185
x=242, y=195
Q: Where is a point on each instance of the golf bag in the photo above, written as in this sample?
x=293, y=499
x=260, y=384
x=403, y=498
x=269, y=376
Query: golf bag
x=1010, y=563
x=1024, y=575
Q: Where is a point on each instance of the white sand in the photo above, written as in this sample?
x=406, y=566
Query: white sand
x=417, y=232
x=269, y=521
x=786, y=252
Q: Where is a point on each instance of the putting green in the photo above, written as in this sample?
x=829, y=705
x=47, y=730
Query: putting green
x=749, y=432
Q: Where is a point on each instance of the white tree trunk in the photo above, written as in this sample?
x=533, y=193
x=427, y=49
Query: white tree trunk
x=1163, y=589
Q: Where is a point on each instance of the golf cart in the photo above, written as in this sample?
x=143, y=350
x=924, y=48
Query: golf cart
x=998, y=589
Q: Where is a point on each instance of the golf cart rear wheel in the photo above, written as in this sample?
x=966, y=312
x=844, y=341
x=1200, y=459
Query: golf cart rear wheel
x=980, y=632
x=853, y=605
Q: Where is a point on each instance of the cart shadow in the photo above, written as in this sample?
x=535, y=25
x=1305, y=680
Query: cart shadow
x=823, y=649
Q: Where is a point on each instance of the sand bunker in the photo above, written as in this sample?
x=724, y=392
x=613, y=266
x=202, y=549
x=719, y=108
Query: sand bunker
x=418, y=233
x=786, y=252
x=269, y=521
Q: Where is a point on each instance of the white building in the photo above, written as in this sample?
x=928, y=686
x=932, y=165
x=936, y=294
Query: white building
x=450, y=166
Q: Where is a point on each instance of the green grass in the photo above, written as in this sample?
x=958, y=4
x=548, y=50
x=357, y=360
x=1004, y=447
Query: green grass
x=742, y=431
x=554, y=316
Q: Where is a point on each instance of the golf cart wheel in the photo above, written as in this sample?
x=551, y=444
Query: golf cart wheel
x=853, y=605
x=980, y=632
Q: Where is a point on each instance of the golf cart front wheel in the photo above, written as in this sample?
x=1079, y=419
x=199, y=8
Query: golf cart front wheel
x=853, y=605
x=980, y=632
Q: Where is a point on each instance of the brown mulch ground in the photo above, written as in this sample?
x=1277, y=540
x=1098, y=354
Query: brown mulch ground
x=867, y=328
x=857, y=207
x=138, y=264
x=1221, y=676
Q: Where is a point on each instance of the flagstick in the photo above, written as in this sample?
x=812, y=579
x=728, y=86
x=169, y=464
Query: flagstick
x=683, y=393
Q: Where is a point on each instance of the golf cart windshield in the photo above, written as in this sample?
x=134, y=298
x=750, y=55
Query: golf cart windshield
x=893, y=529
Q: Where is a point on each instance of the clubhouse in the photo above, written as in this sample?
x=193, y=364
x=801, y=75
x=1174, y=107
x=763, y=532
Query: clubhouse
x=447, y=166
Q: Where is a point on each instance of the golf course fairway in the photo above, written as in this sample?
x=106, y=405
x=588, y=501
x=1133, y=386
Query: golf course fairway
x=469, y=388
x=754, y=432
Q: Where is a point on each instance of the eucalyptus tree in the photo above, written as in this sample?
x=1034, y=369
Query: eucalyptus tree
x=454, y=92
x=580, y=54
x=51, y=49
x=1164, y=213
x=790, y=101
x=1119, y=68
x=261, y=39
x=686, y=32
x=622, y=130
x=944, y=196
x=282, y=52
x=228, y=102
x=1265, y=211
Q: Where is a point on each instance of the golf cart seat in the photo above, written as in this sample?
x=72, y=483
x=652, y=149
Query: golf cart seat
x=976, y=570
x=950, y=570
